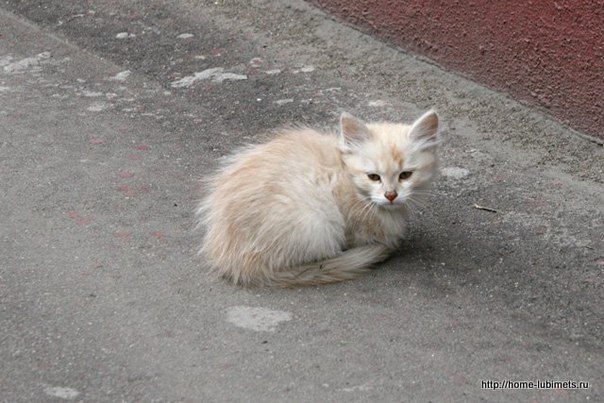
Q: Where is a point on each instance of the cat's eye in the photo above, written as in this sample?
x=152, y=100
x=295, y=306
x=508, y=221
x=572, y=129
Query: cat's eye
x=405, y=175
x=374, y=177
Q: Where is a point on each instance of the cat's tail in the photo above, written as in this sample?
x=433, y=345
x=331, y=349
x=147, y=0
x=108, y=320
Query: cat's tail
x=350, y=264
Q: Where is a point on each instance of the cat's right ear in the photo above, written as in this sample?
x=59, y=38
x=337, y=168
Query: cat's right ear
x=424, y=131
x=352, y=130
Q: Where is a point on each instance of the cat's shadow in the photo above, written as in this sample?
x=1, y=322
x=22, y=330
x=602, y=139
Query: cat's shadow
x=412, y=255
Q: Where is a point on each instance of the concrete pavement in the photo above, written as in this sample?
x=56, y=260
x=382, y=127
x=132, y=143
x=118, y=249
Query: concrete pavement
x=112, y=110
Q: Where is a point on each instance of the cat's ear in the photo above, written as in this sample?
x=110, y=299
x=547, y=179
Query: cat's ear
x=352, y=130
x=424, y=131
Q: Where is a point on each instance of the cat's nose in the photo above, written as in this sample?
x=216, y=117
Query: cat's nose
x=390, y=196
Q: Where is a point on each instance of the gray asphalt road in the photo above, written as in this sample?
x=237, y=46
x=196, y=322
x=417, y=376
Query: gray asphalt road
x=109, y=116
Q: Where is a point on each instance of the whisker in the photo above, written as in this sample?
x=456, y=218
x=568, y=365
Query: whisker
x=416, y=205
x=367, y=209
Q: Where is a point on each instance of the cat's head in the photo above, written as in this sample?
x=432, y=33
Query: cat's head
x=391, y=165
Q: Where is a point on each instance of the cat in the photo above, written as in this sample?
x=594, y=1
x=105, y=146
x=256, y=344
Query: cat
x=311, y=208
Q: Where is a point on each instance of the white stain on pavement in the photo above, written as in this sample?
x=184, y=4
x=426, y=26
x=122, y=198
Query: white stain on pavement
x=61, y=392
x=455, y=172
x=256, y=62
x=281, y=102
x=124, y=35
x=92, y=94
x=121, y=76
x=98, y=106
x=272, y=72
x=304, y=69
x=228, y=76
x=29, y=63
x=185, y=36
x=216, y=74
x=257, y=319
x=4, y=60
x=188, y=81
x=377, y=103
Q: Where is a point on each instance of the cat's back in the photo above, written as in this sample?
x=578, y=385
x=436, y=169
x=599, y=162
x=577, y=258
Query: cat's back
x=280, y=190
x=273, y=205
x=295, y=171
x=293, y=155
x=304, y=146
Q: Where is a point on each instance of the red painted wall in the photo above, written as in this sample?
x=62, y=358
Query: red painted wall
x=549, y=53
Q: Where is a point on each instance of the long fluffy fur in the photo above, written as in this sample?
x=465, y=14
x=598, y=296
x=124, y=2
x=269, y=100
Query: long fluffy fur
x=347, y=266
x=300, y=209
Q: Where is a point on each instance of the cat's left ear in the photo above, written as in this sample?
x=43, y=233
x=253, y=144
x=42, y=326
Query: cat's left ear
x=424, y=130
x=352, y=130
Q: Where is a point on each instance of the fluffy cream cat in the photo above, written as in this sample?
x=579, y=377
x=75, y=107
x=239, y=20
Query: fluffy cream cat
x=312, y=208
